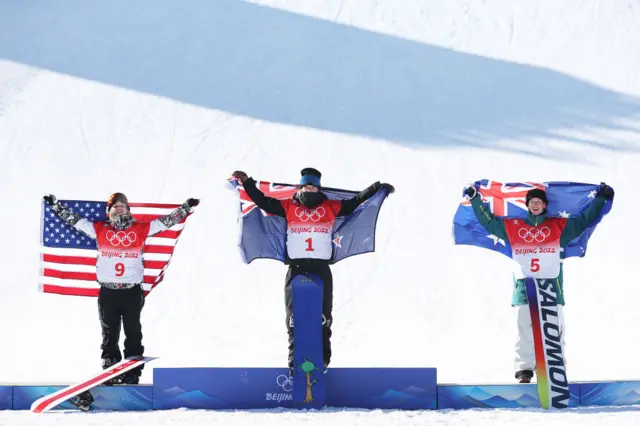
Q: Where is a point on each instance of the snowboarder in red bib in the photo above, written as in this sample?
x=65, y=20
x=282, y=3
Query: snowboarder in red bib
x=537, y=244
x=120, y=272
x=309, y=249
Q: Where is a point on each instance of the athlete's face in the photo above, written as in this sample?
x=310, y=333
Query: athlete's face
x=118, y=209
x=309, y=188
x=537, y=206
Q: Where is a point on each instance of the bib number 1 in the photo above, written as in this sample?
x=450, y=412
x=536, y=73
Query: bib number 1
x=309, y=242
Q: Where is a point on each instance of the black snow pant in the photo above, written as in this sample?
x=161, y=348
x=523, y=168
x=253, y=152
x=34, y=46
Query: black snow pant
x=321, y=269
x=116, y=307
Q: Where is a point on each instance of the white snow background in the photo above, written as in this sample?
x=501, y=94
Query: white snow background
x=163, y=100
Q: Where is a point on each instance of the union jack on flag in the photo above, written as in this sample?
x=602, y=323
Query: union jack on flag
x=566, y=199
x=505, y=199
x=274, y=190
x=68, y=257
x=263, y=235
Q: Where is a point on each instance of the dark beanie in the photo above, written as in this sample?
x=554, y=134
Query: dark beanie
x=310, y=171
x=115, y=197
x=537, y=193
x=310, y=176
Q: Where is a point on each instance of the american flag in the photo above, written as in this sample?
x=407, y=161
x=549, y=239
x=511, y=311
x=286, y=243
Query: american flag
x=68, y=257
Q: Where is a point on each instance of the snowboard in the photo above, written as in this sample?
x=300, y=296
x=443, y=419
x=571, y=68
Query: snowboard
x=50, y=401
x=309, y=387
x=553, y=385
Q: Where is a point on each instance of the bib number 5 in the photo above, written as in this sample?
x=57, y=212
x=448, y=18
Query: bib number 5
x=535, y=265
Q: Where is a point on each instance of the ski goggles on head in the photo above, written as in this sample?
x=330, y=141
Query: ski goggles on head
x=310, y=180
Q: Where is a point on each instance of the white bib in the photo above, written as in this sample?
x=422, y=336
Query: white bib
x=120, y=254
x=536, y=249
x=309, y=231
x=309, y=242
x=542, y=262
x=120, y=267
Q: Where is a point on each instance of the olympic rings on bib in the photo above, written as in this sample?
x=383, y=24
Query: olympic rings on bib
x=313, y=215
x=125, y=239
x=531, y=234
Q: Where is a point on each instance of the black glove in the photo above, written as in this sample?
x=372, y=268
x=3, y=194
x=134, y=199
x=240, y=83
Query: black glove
x=470, y=192
x=606, y=191
x=191, y=202
x=389, y=187
x=241, y=176
x=50, y=199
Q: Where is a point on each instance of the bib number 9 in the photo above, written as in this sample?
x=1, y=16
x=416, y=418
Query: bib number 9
x=535, y=265
x=119, y=269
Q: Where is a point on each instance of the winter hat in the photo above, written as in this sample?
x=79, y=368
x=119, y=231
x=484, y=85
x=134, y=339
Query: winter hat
x=537, y=193
x=310, y=176
x=114, y=198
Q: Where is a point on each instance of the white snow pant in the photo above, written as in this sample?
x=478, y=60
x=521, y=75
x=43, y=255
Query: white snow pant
x=525, y=353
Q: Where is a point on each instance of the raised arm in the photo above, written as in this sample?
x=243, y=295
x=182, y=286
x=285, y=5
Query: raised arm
x=268, y=204
x=577, y=225
x=349, y=205
x=165, y=222
x=494, y=225
x=81, y=224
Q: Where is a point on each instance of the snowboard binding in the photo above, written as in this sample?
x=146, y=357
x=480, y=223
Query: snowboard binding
x=83, y=401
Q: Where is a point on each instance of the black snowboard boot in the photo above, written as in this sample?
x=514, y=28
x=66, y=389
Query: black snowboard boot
x=106, y=363
x=524, y=376
x=83, y=401
x=131, y=377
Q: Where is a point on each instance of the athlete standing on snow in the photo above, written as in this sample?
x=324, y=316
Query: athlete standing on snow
x=548, y=236
x=120, y=272
x=310, y=249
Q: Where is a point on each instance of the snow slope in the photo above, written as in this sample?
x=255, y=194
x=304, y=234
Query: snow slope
x=164, y=100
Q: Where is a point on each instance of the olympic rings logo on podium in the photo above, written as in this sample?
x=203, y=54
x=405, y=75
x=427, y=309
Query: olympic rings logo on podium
x=125, y=239
x=285, y=382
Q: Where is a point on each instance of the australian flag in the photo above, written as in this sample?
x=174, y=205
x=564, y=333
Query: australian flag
x=566, y=199
x=263, y=235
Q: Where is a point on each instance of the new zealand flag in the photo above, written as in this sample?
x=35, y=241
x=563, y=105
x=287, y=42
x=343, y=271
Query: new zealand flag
x=263, y=235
